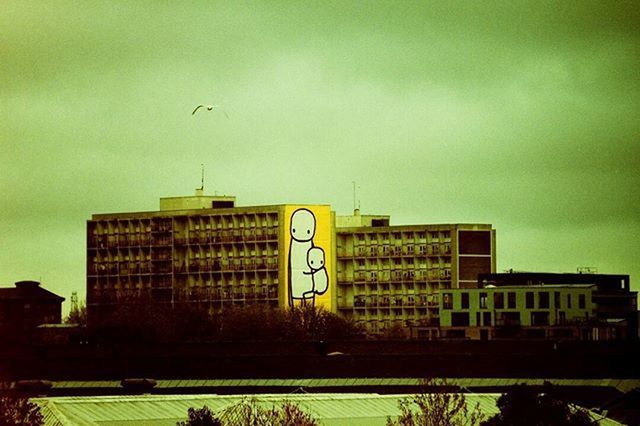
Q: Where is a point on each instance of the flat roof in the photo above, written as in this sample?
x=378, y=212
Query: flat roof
x=414, y=227
x=199, y=212
x=524, y=286
x=327, y=408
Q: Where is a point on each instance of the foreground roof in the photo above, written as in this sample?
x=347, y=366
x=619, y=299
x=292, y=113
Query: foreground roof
x=329, y=409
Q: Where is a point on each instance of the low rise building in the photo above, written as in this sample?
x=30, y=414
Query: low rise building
x=612, y=297
x=538, y=311
x=25, y=307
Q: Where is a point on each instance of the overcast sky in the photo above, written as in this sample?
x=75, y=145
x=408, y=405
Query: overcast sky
x=522, y=115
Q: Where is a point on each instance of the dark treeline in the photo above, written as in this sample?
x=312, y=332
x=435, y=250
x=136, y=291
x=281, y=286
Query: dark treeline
x=142, y=322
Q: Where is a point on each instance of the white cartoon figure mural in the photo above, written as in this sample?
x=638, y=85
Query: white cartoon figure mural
x=316, y=261
x=305, y=281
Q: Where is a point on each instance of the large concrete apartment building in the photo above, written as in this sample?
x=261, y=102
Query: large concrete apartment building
x=206, y=250
x=392, y=276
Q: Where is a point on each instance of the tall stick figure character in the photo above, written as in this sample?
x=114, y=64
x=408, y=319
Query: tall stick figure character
x=302, y=230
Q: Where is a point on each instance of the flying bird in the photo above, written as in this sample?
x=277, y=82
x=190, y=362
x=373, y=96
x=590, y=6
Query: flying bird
x=210, y=108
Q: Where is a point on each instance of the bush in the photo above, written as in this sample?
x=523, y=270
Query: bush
x=249, y=412
x=17, y=410
x=522, y=405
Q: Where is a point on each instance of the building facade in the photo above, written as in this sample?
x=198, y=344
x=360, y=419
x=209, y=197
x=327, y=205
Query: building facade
x=534, y=311
x=204, y=250
x=392, y=276
x=195, y=250
x=612, y=297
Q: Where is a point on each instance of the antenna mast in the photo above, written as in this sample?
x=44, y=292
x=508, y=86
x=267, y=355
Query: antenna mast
x=202, y=177
x=354, y=194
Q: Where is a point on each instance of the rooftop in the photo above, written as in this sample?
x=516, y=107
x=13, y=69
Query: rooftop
x=28, y=290
x=328, y=408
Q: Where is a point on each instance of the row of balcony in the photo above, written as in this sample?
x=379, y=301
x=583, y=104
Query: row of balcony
x=134, y=240
x=164, y=224
x=164, y=266
x=408, y=251
x=408, y=301
x=384, y=238
x=102, y=270
x=221, y=238
x=224, y=267
x=205, y=294
x=218, y=296
x=396, y=276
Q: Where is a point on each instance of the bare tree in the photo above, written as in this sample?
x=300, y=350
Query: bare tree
x=251, y=412
x=77, y=315
x=18, y=410
x=436, y=408
x=200, y=417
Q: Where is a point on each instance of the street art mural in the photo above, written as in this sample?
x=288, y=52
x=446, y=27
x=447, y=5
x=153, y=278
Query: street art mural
x=308, y=256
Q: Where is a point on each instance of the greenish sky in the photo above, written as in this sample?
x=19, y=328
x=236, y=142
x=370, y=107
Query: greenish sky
x=525, y=115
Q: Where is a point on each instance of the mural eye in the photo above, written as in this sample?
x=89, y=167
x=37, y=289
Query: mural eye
x=308, y=231
x=312, y=262
x=294, y=230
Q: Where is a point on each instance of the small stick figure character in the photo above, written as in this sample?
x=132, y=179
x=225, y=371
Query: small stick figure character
x=316, y=262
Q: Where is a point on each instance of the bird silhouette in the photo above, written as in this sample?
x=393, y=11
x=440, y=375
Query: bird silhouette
x=210, y=108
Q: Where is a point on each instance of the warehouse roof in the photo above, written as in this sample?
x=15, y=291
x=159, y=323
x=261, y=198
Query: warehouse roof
x=329, y=409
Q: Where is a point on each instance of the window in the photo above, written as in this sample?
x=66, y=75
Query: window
x=581, y=301
x=460, y=319
x=529, y=300
x=486, y=319
x=483, y=300
x=509, y=318
x=447, y=301
x=498, y=300
x=556, y=300
x=562, y=317
x=568, y=301
x=543, y=300
x=464, y=300
x=511, y=300
x=540, y=318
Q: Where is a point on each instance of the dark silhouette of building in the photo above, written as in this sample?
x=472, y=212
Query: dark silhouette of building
x=25, y=307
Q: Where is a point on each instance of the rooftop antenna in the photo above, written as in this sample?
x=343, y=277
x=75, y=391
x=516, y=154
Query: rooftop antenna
x=356, y=202
x=354, y=194
x=200, y=191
